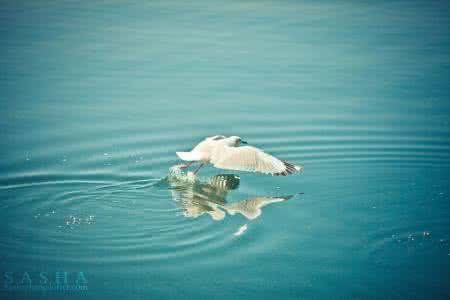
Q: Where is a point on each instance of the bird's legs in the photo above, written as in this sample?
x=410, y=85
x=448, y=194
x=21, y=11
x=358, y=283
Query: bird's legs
x=186, y=165
x=198, y=169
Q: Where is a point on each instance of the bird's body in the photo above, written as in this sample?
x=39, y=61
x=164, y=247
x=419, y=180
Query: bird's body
x=224, y=153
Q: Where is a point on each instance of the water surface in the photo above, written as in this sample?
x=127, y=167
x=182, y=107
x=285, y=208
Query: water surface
x=97, y=97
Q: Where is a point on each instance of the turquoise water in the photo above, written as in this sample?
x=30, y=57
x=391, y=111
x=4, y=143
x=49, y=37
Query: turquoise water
x=96, y=97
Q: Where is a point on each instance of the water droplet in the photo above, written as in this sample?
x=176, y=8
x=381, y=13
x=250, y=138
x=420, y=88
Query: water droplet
x=241, y=230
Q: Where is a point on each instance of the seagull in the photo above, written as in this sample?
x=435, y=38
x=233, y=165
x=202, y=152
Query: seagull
x=226, y=153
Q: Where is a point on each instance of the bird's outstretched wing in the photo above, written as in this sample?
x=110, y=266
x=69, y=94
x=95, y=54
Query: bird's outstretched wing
x=251, y=159
x=251, y=208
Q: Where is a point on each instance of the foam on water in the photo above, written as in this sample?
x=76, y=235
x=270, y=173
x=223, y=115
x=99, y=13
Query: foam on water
x=177, y=174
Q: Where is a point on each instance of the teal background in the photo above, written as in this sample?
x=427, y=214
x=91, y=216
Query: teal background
x=96, y=97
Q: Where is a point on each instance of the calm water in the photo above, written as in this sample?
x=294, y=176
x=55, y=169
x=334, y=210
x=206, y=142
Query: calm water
x=96, y=97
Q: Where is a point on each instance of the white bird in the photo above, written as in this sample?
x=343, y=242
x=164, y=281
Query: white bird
x=224, y=153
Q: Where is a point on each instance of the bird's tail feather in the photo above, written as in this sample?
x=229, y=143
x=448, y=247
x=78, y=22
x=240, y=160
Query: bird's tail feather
x=190, y=156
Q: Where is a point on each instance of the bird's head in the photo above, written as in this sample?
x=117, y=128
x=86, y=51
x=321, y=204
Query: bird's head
x=235, y=141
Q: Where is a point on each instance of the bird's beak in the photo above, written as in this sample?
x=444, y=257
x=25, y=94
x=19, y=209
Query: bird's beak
x=244, y=142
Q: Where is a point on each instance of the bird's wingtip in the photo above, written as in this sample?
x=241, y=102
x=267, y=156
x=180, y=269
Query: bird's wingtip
x=290, y=169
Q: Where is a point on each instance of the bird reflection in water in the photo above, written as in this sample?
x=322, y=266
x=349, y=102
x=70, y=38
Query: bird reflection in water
x=198, y=198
